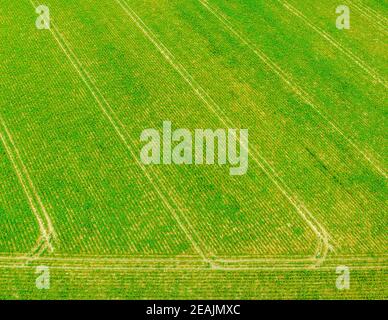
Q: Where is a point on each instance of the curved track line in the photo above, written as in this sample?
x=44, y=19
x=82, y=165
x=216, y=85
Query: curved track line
x=36, y=205
x=118, y=126
x=215, y=109
x=119, y=129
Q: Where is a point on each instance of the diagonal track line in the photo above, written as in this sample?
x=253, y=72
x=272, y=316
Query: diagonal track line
x=121, y=131
x=306, y=215
x=370, y=16
x=374, y=15
x=358, y=61
x=304, y=96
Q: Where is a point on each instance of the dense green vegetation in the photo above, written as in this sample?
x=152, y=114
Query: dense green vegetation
x=75, y=197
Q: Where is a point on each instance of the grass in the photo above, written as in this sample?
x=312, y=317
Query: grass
x=76, y=98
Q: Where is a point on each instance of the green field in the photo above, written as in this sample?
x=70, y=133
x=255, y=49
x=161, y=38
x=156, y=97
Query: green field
x=75, y=197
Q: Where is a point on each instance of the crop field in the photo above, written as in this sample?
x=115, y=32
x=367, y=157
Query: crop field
x=77, y=202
